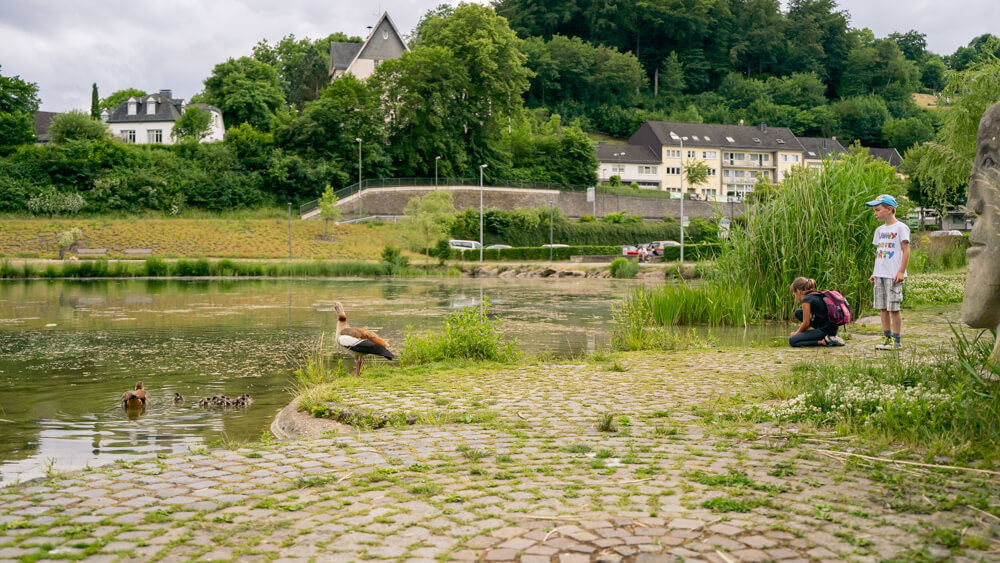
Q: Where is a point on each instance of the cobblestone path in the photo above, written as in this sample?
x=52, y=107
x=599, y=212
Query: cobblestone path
x=540, y=483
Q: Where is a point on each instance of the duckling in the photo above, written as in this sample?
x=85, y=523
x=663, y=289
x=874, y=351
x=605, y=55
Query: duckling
x=178, y=398
x=135, y=398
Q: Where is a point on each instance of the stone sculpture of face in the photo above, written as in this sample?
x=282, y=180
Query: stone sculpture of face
x=981, y=306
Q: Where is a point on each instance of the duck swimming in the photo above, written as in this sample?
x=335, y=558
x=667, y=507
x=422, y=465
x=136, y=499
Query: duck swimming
x=135, y=398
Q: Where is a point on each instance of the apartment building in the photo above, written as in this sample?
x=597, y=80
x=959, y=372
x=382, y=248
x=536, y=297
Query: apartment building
x=819, y=148
x=738, y=157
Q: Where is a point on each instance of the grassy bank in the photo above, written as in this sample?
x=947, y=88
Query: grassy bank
x=260, y=238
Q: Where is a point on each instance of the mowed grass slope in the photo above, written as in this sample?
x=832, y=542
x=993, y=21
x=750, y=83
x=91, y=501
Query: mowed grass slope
x=211, y=238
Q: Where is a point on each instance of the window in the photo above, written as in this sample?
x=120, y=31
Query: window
x=784, y=158
x=695, y=137
x=710, y=191
x=128, y=136
x=795, y=158
x=691, y=154
x=707, y=138
x=154, y=136
x=756, y=139
x=673, y=153
x=672, y=171
x=730, y=139
x=617, y=168
x=709, y=154
x=780, y=141
x=674, y=190
x=713, y=172
x=731, y=156
x=647, y=170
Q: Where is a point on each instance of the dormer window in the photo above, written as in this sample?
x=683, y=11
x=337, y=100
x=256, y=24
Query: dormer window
x=150, y=106
x=133, y=106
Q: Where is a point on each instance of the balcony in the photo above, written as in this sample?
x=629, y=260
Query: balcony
x=748, y=164
x=730, y=180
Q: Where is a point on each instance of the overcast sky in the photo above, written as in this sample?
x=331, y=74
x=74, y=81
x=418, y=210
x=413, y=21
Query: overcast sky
x=65, y=45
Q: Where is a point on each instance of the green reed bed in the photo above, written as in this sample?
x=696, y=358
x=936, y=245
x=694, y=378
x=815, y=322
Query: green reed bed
x=155, y=267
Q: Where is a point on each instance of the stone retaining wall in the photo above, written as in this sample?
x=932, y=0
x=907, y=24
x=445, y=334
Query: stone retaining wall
x=392, y=201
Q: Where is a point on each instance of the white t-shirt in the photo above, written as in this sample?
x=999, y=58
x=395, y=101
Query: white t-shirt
x=889, y=254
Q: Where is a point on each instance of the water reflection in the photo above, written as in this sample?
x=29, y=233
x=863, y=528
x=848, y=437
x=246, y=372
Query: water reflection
x=68, y=349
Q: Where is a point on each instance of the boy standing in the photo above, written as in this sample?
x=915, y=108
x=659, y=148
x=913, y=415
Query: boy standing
x=892, y=240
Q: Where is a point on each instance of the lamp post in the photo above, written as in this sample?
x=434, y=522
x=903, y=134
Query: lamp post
x=481, y=167
x=436, y=159
x=682, y=139
x=289, y=230
x=360, y=206
x=552, y=204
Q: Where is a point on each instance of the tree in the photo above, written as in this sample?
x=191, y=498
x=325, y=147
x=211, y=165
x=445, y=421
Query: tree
x=302, y=65
x=18, y=103
x=95, y=102
x=902, y=134
x=246, y=90
x=77, y=126
x=428, y=219
x=116, y=98
x=696, y=173
x=913, y=44
x=940, y=170
x=489, y=51
x=328, y=209
x=861, y=118
x=933, y=73
x=672, y=76
x=195, y=124
x=802, y=90
x=423, y=93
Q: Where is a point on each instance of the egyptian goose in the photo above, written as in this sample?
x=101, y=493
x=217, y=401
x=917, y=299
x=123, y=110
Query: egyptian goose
x=178, y=398
x=360, y=342
x=134, y=398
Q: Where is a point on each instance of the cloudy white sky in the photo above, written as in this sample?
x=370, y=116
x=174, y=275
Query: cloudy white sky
x=65, y=45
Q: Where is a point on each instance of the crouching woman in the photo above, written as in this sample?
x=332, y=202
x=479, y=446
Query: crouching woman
x=816, y=328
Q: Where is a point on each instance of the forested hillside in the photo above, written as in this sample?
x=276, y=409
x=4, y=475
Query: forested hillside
x=516, y=87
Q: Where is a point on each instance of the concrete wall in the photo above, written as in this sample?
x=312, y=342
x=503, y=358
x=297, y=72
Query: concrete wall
x=392, y=201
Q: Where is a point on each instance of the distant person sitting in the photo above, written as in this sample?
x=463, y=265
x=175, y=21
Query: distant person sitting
x=816, y=328
x=643, y=254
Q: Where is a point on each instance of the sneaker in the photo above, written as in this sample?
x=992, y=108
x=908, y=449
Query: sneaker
x=891, y=345
x=834, y=341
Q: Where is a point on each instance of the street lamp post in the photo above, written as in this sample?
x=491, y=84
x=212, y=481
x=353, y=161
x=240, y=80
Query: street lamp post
x=360, y=206
x=289, y=230
x=552, y=204
x=682, y=139
x=481, y=167
x=436, y=159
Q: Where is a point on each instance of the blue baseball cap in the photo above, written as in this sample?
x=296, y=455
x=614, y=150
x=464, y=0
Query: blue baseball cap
x=884, y=198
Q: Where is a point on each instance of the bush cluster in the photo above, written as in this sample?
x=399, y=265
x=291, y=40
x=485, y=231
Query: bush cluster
x=470, y=334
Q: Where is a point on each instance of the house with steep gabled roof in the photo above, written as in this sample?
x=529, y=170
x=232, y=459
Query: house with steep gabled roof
x=819, y=148
x=150, y=119
x=360, y=59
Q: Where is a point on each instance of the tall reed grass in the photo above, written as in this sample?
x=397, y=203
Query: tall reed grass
x=817, y=226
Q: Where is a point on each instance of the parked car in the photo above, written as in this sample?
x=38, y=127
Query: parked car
x=629, y=250
x=951, y=233
x=498, y=246
x=463, y=245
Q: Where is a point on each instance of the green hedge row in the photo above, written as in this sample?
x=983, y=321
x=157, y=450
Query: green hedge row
x=692, y=252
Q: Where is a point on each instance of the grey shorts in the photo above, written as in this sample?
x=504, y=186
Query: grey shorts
x=888, y=295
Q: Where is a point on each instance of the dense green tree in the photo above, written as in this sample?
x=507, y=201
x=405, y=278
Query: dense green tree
x=740, y=91
x=982, y=48
x=77, y=126
x=860, y=118
x=933, y=73
x=672, y=82
x=802, y=90
x=95, y=102
x=251, y=147
x=116, y=98
x=902, y=134
x=428, y=219
x=326, y=131
x=818, y=39
x=18, y=103
x=913, y=44
x=489, y=50
x=422, y=93
x=194, y=124
x=302, y=64
x=877, y=67
x=246, y=90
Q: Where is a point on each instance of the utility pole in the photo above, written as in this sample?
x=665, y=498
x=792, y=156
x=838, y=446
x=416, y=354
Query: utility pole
x=289, y=230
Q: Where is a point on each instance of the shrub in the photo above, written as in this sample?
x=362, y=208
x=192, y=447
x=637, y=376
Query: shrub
x=155, y=268
x=468, y=334
x=623, y=268
x=393, y=260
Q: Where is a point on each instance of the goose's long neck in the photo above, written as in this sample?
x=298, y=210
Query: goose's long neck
x=341, y=321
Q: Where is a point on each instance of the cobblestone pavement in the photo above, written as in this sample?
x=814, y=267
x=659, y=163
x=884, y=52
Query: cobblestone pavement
x=537, y=483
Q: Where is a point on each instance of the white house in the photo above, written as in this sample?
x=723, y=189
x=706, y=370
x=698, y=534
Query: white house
x=360, y=59
x=150, y=119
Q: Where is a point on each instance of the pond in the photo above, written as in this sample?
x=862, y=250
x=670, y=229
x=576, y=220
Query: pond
x=68, y=349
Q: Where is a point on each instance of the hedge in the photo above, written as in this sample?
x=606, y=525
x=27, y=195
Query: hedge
x=692, y=252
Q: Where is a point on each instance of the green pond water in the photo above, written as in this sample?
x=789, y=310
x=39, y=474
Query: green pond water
x=68, y=349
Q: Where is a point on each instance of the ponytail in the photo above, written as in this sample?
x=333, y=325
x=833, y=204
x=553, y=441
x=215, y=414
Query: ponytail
x=804, y=284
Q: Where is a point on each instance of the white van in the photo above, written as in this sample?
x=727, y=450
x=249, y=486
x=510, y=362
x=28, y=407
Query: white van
x=463, y=245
